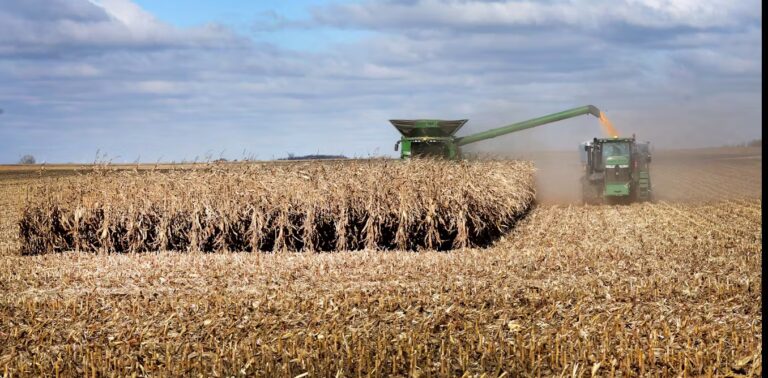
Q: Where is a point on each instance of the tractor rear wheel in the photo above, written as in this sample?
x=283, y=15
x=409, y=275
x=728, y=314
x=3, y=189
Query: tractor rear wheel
x=589, y=193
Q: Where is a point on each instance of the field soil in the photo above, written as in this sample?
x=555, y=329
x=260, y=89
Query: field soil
x=655, y=289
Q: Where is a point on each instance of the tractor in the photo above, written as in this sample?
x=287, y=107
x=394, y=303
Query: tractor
x=616, y=170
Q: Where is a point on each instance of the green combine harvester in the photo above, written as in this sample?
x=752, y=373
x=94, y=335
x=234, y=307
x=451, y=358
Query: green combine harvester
x=616, y=170
x=436, y=138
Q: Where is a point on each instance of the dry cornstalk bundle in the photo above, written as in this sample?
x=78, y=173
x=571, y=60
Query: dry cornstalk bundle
x=305, y=206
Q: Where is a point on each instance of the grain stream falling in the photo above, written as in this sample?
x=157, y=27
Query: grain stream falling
x=607, y=125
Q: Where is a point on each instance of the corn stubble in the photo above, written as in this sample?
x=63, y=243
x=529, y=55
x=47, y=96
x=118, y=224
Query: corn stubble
x=310, y=206
x=662, y=289
x=675, y=292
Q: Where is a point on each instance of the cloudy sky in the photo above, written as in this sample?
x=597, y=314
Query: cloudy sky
x=185, y=79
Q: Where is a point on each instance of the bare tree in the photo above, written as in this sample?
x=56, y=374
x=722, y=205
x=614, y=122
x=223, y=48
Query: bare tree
x=27, y=159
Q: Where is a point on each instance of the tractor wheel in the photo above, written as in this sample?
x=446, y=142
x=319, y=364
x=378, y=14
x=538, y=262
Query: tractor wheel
x=589, y=194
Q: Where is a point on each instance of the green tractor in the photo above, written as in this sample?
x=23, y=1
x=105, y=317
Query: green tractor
x=436, y=138
x=616, y=170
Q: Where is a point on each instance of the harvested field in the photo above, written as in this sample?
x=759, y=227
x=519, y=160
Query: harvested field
x=656, y=289
x=311, y=206
x=671, y=292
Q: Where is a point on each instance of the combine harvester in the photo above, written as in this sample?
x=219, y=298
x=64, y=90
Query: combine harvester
x=616, y=169
x=435, y=138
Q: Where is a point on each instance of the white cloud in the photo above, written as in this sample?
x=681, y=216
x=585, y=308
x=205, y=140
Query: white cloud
x=159, y=87
x=425, y=14
x=57, y=27
x=131, y=15
x=68, y=70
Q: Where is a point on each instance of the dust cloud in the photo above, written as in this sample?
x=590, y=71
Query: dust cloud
x=558, y=175
x=684, y=175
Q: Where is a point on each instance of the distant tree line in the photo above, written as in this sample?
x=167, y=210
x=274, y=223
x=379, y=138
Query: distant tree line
x=754, y=143
x=312, y=157
x=27, y=159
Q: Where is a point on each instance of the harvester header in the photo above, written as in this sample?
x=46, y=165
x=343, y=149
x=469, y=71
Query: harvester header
x=436, y=138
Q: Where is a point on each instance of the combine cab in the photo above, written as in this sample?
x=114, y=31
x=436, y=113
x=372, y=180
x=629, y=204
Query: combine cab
x=616, y=171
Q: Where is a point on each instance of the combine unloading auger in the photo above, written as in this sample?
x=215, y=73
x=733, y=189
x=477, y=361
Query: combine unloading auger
x=436, y=138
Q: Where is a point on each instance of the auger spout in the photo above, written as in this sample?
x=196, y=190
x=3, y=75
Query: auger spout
x=554, y=117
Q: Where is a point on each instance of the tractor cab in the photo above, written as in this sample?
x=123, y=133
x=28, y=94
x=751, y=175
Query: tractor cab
x=606, y=153
x=609, y=161
x=615, y=153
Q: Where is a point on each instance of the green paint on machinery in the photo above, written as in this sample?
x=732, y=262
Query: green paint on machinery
x=436, y=138
x=616, y=170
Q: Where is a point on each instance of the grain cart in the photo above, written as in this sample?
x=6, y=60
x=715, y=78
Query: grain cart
x=436, y=138
x=616, y=170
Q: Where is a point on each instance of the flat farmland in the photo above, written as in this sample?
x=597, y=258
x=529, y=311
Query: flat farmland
x=654, y=289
